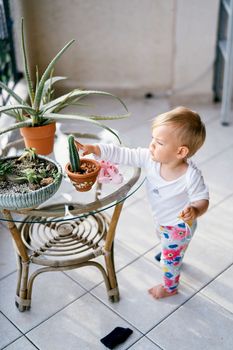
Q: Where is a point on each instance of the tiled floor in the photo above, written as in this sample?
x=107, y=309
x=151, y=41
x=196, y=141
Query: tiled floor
x=70, y=310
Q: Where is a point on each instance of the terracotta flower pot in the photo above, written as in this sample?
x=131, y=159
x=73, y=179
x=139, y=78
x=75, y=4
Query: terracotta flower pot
x=40, y=137
x=83, y=182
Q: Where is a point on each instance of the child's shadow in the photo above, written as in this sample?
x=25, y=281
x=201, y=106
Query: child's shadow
x=194, y=276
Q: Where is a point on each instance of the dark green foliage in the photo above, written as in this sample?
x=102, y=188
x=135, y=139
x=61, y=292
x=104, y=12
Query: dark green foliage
x=5, y=168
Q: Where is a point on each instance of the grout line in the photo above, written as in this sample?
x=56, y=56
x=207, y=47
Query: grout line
x=56, y=312
x=31, y=342
x=1, y=312
x=144, y=337
x=193, y=295
x=9, y=274
x=216, y=303
x=115, y=312
x=46, y=319
x=212, y=300
x=23, y=336
x=154, y=343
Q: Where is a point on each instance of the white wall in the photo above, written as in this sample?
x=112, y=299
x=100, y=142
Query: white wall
x=195, y=40
x=126, y=46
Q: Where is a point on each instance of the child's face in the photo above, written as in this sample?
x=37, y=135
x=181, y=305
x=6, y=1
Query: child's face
x=164, y=147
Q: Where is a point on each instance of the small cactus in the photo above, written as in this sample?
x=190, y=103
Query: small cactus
x=74, y=156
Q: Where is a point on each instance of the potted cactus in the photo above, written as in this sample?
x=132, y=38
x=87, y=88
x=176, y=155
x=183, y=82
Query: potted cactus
x=82, y=172
x=28, y=180
x=36, y=118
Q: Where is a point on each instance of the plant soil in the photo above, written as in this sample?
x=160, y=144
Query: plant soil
x=87, y=168
x=14, y=182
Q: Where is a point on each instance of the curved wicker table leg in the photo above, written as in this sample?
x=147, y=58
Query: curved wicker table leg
x=23, y=263
x=113, y=294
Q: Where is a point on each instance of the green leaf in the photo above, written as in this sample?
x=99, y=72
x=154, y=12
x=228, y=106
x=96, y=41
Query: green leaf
x=37, y=77
x=46, y=74
x=21, y=107
x=12, y=113
x=49, y=82
x=57, y=117
x=26, y=68
x=13, y=94
x=16, y=126
x=108, y=117
x=75, y=96
x=59, y=101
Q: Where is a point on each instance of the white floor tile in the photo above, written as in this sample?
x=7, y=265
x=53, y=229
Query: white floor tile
x=198, y=324
x=203, y=261
x=141, y=136
x=220, y=290
x=21, y=344
x=136, y=227
x=7, y=254
x=51, y=292
x=218, y=139
x=80, y=326
x=144, y=344
x=218, y=175
x=217, y=225
x=208, y=112
x=8, y=332
x=136, y=305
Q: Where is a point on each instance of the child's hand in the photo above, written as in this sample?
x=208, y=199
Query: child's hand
x=87, y=149
x=189, y=213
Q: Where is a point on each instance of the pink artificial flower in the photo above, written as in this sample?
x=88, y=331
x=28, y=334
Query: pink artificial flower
x=109, y=173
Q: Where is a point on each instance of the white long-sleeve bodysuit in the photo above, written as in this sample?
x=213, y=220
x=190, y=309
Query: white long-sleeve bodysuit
x=167, y=198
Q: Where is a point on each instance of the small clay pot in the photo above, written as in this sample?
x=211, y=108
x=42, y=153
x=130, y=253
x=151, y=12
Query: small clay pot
x=84, y=181
x=40, y=137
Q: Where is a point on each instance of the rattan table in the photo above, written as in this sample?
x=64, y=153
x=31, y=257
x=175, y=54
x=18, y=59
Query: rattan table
x=69, y=231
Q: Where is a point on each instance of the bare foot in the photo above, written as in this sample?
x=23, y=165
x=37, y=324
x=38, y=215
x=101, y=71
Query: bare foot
x=159, y=292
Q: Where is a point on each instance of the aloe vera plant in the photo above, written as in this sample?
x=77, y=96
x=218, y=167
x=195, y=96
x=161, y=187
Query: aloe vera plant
x=42, y=108
x=73, y=154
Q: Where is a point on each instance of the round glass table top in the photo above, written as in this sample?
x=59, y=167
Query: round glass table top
x=68, y=203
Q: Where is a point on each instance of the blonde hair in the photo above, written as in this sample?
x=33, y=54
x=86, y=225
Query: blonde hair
x=190, y=130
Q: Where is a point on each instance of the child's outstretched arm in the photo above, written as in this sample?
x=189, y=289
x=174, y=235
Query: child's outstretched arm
x=87, y=148
x=194, y=210
x=138, y=157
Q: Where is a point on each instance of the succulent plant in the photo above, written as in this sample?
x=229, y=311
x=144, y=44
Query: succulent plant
x=5, y=168
x=28, y=153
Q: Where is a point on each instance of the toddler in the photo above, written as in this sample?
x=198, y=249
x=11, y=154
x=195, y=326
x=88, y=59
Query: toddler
x=175, y=186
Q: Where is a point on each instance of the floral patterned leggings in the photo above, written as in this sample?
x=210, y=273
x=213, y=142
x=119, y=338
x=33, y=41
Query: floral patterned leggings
x=174, y=242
